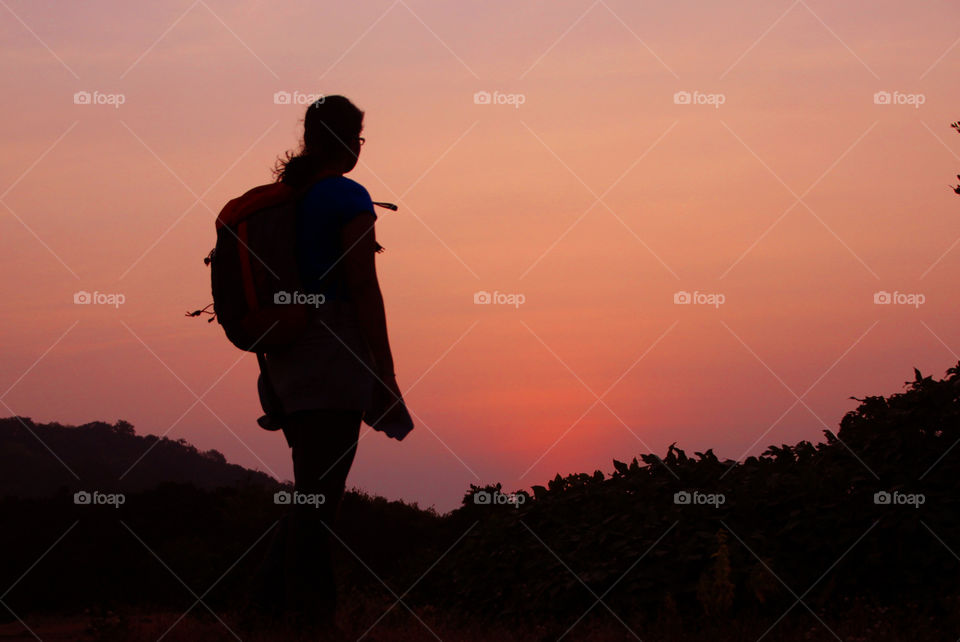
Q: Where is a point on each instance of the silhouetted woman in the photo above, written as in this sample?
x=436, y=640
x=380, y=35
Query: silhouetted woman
x=341, y=371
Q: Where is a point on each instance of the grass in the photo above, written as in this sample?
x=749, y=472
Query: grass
x=373, y=620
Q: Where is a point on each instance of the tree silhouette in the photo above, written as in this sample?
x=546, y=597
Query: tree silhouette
x=956, y=126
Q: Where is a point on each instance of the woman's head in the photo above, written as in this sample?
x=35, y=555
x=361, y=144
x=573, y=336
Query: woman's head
x=331, y=141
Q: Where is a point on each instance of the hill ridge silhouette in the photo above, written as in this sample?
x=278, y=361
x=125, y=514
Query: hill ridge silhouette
x=34, y=460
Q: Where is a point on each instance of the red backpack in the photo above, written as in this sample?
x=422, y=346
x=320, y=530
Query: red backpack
x=253, y=269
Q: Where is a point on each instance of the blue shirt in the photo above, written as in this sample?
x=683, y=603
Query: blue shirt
x=327, y=207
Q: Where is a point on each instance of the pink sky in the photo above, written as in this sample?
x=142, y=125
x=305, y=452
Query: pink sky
x=497, y=198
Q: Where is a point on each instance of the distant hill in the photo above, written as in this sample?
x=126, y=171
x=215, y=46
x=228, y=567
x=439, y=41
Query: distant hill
x=100, y=454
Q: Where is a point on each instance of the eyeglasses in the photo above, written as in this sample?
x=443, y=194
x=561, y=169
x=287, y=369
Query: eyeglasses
x=361, y=140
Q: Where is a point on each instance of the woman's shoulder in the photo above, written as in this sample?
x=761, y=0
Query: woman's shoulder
x=352, y=194
x=341, y=193
x=339, y=184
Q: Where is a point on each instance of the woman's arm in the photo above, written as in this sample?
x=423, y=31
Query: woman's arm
x=389, y=412
x=360, y=270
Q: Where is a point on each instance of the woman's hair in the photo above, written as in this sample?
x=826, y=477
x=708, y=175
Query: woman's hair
x=329, y=126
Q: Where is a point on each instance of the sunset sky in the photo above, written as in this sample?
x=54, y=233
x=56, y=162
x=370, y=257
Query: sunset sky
x=788, y=192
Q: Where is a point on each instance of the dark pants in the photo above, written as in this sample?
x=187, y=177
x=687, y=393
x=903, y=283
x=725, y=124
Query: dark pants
x=297, y=574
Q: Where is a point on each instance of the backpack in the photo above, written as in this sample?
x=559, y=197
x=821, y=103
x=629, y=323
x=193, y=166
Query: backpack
x=258, y=296
x=253, y=269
